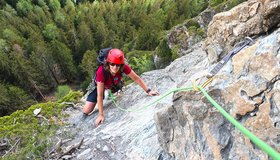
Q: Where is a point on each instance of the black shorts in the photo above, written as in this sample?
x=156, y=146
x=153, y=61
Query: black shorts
x=92, y=97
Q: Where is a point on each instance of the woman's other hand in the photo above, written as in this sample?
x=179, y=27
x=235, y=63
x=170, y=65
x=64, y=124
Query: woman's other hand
x=100, y=119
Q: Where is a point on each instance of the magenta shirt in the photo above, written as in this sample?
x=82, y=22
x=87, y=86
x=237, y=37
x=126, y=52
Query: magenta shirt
x=116, y=79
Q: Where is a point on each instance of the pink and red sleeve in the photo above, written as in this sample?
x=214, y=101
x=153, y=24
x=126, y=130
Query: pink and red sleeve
x=126, y=69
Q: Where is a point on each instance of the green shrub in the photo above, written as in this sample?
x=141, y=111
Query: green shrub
x=13, y=98
x=196, y=31
x=214, y=3
x=201, y=32
x=141, y=61
x=85, y=84
x=89, y=63
x=234, y=3
x=225, y=5
x=192, y=30
x=191, y=22
x=164, y=52
x=71, y=96
x=62, y=91
x=175, y=50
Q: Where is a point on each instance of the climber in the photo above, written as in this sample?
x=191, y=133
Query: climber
x=113, y=66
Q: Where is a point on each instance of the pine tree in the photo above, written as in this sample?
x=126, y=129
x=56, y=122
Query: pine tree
x=63, y=58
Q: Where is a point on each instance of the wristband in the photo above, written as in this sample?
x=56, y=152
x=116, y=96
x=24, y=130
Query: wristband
x=148, y=90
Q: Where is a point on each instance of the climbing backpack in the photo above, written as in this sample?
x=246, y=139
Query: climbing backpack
x=102, y=55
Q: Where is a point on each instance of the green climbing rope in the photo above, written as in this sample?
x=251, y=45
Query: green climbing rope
x=270, y=151
x=147, y=106
x=262, y=145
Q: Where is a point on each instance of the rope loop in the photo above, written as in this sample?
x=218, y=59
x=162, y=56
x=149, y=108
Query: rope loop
x=194, y=85
x=203, y=85
x=208, y=81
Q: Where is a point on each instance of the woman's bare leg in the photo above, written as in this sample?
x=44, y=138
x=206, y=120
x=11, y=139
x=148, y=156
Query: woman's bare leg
x=88, y=108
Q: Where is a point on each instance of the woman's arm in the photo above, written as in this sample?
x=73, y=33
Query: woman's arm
x=100, y=94
x=141, y=83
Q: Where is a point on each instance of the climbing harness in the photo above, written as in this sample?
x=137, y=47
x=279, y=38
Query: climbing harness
x=91, y=87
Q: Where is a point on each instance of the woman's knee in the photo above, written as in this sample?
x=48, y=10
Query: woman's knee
x=89, y=106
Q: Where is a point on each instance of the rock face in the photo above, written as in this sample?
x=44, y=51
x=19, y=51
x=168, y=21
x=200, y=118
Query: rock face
x=130, y=135
x=247, y=88
x=251, y=18
x=185, y=125
x=184, y=36
x=181, y=37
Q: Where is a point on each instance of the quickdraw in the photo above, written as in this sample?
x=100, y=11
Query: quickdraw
x=237, y=48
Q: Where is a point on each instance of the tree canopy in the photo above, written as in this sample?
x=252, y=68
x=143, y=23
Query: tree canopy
x=44, y=43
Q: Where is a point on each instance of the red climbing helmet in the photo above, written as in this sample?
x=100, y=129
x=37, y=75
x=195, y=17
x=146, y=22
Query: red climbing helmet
x=115, y=56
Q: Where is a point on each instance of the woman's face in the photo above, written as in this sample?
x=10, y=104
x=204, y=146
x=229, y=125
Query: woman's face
x=114, y=68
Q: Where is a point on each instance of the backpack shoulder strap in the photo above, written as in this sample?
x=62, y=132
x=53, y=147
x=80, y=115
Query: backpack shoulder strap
x=106, y=74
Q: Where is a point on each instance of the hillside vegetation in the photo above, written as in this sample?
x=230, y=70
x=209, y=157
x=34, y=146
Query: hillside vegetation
x=45, y=43
x=26, y=136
